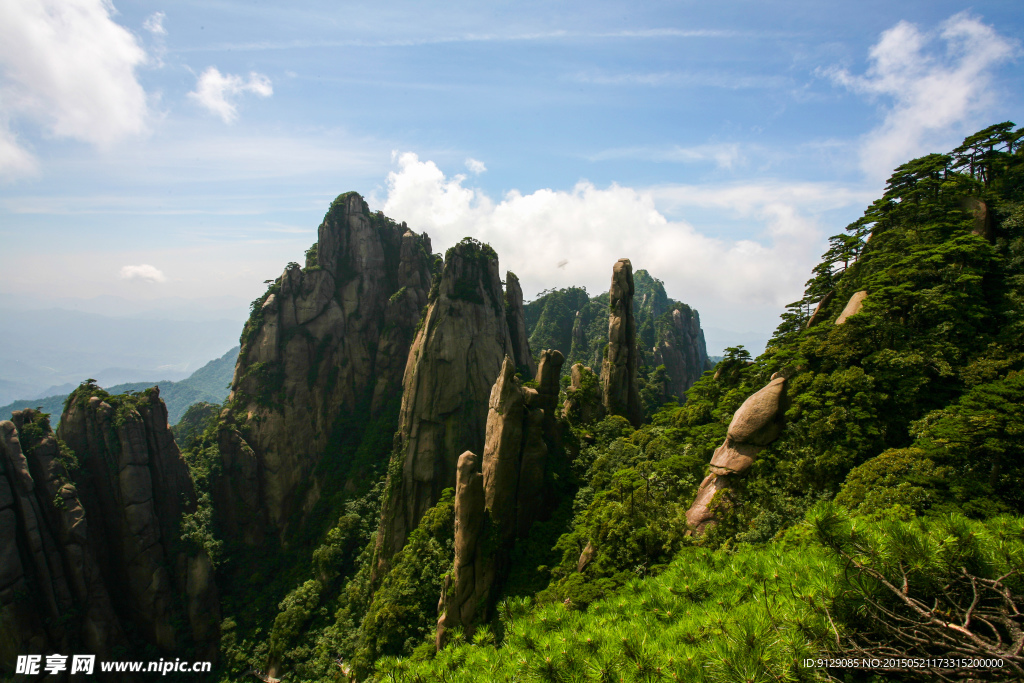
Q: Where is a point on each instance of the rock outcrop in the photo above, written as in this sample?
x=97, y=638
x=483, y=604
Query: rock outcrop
x=583, y=399
x=512, y=485
x=819, y=310
x=452, y=365
x=983, y=224
x=470, y=576
x=852, y=307
x=516, y=318
x=618, y=372
x=757, y=423
x=137, y=489
x=91, y=556
x=323, y=352
x=681, y=349
x=549, y=373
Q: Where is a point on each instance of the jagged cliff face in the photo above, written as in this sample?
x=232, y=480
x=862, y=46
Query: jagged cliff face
x=618, y=373
x=667, y=332
x=93, y=553
x=451, y=367
x=681, y=349
x=327, y=341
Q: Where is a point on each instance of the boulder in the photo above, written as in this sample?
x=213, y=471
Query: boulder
x=756, y=421
x=756, y=424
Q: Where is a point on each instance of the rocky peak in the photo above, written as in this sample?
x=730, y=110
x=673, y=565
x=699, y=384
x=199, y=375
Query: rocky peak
x=452, y=365
x=681, y=349
x=618, y=373
x=92, y=522
x=326, y=341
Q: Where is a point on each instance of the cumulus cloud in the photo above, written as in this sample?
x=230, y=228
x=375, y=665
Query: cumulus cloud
x=556, y=238
x=69, y=68
x=142, y=273
x=154, y=23
x=216, y=92
x=475, y=166
x=934, y=86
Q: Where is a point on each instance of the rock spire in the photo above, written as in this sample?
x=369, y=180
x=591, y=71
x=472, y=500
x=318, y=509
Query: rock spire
x=618, y=372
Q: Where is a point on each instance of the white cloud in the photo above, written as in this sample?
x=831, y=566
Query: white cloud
x=475, y=166
x=142, y=273
x=155, y=24
x=555, y=238
x=937, y=87
x=216, y=91
x=69, y=68
x=15, y=160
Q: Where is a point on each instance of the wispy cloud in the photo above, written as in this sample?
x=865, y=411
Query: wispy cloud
x=68, y=68
x=530, y=36
x=722, y=155
x=680, y=79
x=142, y=273
x=933, y=87
x=475, y=166
x=154, y=23
x=217, y=92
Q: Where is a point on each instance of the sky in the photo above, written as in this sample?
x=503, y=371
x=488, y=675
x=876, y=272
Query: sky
x=174, y=156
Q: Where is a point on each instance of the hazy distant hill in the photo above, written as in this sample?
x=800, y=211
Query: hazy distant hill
x=50, y=351
x=208, y=384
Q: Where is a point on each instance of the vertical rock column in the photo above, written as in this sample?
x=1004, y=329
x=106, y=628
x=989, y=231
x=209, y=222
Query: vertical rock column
x=618, y=372
x=516, y=317
x=511, y=487
x=452, y=364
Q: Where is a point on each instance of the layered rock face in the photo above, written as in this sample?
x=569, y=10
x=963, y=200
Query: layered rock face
x=681, y=349
x=499, y=503
x=757, y=423
x=48, y=568
x=326, y=341
x=452, y=364
x=92, y=553
x=618, y=373
x=136, y=489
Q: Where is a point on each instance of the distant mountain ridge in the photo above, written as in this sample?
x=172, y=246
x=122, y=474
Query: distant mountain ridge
x=207, y=384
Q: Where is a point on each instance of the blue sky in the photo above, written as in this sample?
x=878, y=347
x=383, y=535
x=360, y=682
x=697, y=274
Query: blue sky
x=154, y=153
